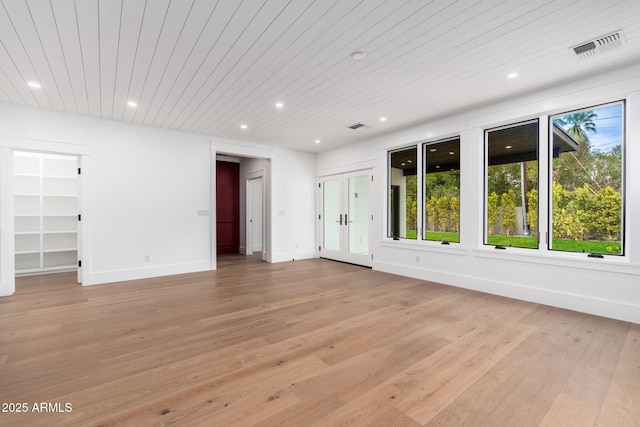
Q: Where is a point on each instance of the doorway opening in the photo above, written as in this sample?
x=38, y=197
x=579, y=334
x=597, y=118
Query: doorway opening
x=46, y=220
x=250, y=190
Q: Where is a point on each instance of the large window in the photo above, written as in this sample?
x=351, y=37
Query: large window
x=587, y=180
x=511, y=186
x=403, y=194
x=581, y=180
x=441, y=185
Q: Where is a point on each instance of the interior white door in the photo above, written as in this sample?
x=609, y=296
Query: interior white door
x=346, y=217
x=255, y=213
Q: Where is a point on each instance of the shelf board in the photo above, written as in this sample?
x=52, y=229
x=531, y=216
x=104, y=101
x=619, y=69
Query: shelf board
x=60, y=195
x=26, y=233
x=51, y=251
x=74, y=177
x=60, y=232
x=29, y=252
x=71, y=267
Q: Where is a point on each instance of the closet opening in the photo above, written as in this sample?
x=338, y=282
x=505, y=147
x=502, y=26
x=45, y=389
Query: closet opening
x=46, y=218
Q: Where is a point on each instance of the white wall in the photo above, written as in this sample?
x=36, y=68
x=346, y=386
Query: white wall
x=143, y=189
x=147, y=188
x=609, y=287
x=293, y=208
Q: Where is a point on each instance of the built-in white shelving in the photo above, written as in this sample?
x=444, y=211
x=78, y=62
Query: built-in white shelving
x=46, y=212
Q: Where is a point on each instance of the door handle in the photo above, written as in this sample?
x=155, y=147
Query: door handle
x=340, y=219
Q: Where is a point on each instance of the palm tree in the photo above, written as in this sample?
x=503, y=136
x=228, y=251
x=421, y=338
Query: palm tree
x=573, y=170
x=578, y=125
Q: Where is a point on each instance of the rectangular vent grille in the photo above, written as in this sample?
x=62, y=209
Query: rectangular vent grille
x=357, y=126
x=599, y=45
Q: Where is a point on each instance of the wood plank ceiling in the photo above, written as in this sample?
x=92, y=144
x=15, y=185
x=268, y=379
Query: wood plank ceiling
x=208, y=66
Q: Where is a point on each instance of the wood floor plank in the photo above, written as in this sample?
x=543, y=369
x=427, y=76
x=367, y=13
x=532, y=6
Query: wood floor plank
x=621, y=405
x=439, y=388
x=415, y=388
x=310, y=342
x=568, y=411
x=339, y=385
x=225, y=399
x=394, y=418
x=591, y=377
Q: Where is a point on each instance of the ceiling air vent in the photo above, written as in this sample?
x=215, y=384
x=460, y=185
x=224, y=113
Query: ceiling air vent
x=358, y=126
x=599, y=45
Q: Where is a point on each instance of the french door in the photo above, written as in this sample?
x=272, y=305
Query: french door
x=345, y=217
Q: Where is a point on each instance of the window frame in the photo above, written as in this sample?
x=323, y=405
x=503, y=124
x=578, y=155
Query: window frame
x=623, y=179
x=422, y=187
x=389, y=192
x=485, y=178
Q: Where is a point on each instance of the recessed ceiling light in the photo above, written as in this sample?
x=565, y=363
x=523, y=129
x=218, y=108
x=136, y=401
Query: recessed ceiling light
x=433, y=150
x=244, y=127
x=317, y=141
x=383, y=119
x=451, y=152
x=132, y=104
x=279, y=105
x=402, y=164
x=409, y=161
x=34, y=85
x=437, y=166
x=508, y=147
x=512, y=75
x=358, y=55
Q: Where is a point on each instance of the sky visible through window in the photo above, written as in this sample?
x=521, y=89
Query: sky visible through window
x=608, y=128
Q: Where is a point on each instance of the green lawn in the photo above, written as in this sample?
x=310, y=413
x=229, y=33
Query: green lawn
x=437, y=236
x=529, y=242
x=515, y=241
x=590, y=246
x=441, y=236
x=558, y=244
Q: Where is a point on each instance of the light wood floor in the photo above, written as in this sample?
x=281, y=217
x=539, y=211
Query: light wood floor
x=307, y=343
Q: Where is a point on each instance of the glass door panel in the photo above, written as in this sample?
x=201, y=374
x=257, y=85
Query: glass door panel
x=358, y=221
x=331, y=214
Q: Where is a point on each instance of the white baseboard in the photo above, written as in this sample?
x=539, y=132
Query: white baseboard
x=600, y=307
x=102, y=277
x=291, y=256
